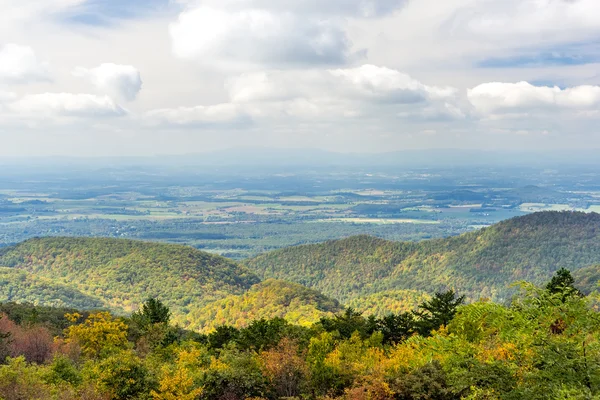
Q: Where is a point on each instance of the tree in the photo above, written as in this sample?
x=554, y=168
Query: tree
x=100, y=333
x=4, y=341
x=396, y=328
x=124, y=376
x=427, y=382
x=19, y=381
x=153, y=311
x=262, y=334
x=563, y=283
x=285, y=368
x=346, y=324
x=438, y=311
x=221, y=336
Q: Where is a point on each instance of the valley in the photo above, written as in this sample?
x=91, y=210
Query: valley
x=242, y=214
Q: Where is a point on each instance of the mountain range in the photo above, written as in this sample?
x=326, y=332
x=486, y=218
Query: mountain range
x=302, y=283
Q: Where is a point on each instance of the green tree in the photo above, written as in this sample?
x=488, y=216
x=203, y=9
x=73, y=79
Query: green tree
x=262, y=334
x=438, y=311
x=153, y=311
x=346, y=324
x=123, y=376
x=222, y=336
x=563, y=283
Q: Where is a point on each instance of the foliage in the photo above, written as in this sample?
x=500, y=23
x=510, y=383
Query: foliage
x=544, y=345
x=480, y=264
x=438, y=311
x=123, y=376
x=123, y=273
x=98, y=335
x=21, y=286
x=269, y=299
x=19, y=380
x=587, y=279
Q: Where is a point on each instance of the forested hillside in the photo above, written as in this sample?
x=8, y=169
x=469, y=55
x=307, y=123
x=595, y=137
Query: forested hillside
x=544, y=345
x=202, y=290
x=588, y=278
x=21, y=286
x=122, y=273
x=479, y=264
x=372, y=275
x=269, y=299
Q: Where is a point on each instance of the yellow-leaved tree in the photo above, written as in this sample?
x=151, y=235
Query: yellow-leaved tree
x=100, y=334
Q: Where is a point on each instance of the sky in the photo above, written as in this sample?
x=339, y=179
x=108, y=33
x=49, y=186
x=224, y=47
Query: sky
x=152, y=77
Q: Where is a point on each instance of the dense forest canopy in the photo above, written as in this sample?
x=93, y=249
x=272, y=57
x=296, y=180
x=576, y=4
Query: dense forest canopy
x=480, y=264
x=544, y=345
x=372, y=275
x=123, y=272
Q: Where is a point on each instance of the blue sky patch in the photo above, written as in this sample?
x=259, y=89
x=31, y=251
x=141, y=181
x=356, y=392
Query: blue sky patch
x=571, y=54
x=107, y=12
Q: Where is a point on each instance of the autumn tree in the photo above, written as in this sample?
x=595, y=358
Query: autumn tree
x=285, y=368
x=98, y=335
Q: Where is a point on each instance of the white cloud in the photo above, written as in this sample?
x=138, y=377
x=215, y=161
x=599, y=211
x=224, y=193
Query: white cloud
x=216, y=115
x=389, y=85
x=347, y=8
x=553, y=20
x=353, y=92
x=523, y=97
x=6, y=97
x=121, y=81
x=368, y=82
x=19, y=64
x=55, y=105
x=258, y=37
x=20, y=11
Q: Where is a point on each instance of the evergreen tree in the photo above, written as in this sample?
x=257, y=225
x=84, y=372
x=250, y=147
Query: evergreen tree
x=563, y=283
x=156, y=312
x=438, y=311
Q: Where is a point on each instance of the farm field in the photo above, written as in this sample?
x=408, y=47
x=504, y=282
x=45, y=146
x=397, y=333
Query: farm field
x=244, y=212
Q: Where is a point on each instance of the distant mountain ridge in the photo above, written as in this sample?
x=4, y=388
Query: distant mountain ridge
x=480, y=264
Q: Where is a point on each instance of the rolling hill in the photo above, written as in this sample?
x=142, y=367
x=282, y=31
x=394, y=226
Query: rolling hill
x=269, y=299
x=479, y=264
x=367, y=273
x=21, y=286
x=123, y=273
x=119, y=275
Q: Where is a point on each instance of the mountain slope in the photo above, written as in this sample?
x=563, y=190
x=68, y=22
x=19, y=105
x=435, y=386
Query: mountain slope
x=297, y=304
x=23, y=287
x=588, y=279
x=124, y=273
x=480, y=264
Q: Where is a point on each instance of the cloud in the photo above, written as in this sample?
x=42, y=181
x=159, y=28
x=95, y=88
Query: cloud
x=349, y=92
x=389, y=85
x=6, y=97
x=19, y=64
x=21, y=11
x=54, y=105
x=121, y=81
x=368, y=82
x=258, y=37
x=221, y=115
x=555, y=20
x=363, y=95
x=523, y=97
x=346, y=8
